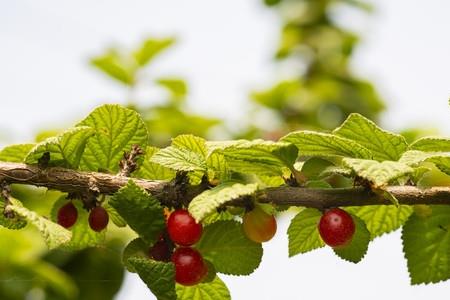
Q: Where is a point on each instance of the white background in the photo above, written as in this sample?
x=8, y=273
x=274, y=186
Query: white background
x=225, y=50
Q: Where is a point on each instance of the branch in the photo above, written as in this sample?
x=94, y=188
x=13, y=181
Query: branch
x=67, y=180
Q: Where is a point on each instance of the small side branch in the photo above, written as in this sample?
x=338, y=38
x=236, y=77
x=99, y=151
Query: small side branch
x=73, y=181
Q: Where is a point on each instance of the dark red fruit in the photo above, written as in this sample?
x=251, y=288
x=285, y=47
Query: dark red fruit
x=67, y=215
x=160, y=251
x=98, y=218
x=189, y=266
x=182, y=228
x=336, y=227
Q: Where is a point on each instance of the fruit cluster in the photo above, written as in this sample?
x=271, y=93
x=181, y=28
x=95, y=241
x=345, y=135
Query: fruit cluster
x=68, y=215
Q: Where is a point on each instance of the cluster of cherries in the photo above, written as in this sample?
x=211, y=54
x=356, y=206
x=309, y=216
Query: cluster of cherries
x=184, y=231
x=68, y=215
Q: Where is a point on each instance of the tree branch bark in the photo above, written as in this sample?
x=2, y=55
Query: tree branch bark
x=67, y=180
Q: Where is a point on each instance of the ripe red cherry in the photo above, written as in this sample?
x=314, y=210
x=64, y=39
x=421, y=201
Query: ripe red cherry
x=258, y=225
x=190, y=268
x=98, y=218
x=160, y=251
x=336, y=227
x=182, y=228
x=67, y=215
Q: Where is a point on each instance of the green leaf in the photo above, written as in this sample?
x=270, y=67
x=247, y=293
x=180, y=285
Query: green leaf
x=314, y=166
x=312, y=143
x=384, y=145
x=135, y=248
x=150, y=48
x=442, y=162
x=379, y=173
x=257, y=156
x=225, y=245
x=65, y=149
x=303, y=234
x=153, y=171
x=177, y=87
x=82, y=234
x=16, y=222
x=214, y=290
x=54, y=234
x=179, y=160
x=191, y=143
x=208, y=201
x=357, y=249
x=217, y=167
x=114, y=215
x=431, y=144
x=117, y=129
x=141, y=211
x=15, y=153
x=158, y=276
x=116, y=66
x=426, y=244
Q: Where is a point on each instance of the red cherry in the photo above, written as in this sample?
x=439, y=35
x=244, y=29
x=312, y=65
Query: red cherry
x=189, y=266
x=182, y=228
x=67, y=215
x=336, y=227
x=259, y=226
x=98, y=218
x=160, y=251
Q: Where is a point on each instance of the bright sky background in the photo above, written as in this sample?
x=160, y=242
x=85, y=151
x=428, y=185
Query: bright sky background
x=225, y=50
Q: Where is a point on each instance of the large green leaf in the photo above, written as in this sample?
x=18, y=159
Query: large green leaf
x=141, y=211
x=54, y=234
x=214, y=290
x=15, y=153
x=208, y=201
x=426, y=243
x=65, y=149
x=384, y=145
x=381, y=219
x=303, y=234
x=379, y=173
x=431, y=144
x=151, y=48
x=158, y=276
x=117, y=130
x=151, y=170
x=82, y=235
x=231, y=252
x=357, y=249
x=179, y=159
x=257, y=156
x=312, y=143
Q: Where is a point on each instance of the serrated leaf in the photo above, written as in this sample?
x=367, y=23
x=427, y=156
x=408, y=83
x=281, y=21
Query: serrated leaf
x=65, y=149
x=54, y=234
x=214, y=290
x=314, y=166
x=117, y=130
x=426, y=244
x=179, y=160
x=208, y=201
x=218, y=216
x=192, y=143
x=357, y=249
x=158, y=276
x=217, y=167
x=115, y=65
x=379, y=173
x=431, y=144
x=15, y=153
x=135, y=248
x=258, y=156
x=141, y=211
x=225, y=245
x=312, y=143
x=114, y=215
x=151, y=48
x=303, y=234
x=442, y=162
x=16, y=222
x=82, y=235
x=384, y=145
x=153, y=171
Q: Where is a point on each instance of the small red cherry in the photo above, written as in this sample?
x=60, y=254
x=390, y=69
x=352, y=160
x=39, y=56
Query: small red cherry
x=182, y=228
x=160, y=251
x=336, y=227
x=189, y=266
x=98, y=218
x=67, y=215
x=258, y=225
